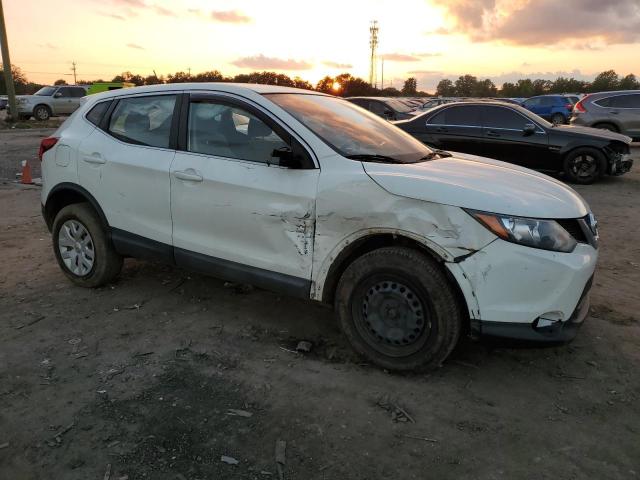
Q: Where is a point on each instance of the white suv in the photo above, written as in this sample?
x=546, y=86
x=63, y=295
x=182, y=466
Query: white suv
x=310, y=195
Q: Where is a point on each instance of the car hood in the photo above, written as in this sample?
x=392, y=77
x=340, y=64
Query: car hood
x=592, y=132
x=480, y=183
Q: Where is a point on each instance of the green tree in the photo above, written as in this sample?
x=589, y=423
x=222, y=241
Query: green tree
x=325, y=85
x=485, y=88
x=629, y=83
x=60, y=81
x=605, y=82
x=541, y=87
x=300, y=83
x=445, y=88
x=19, y=80
x=410, y=86
x=465, y=85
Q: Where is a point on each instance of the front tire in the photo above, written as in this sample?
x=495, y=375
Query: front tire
x=584, y=165
x=398, y=309
x=42, y=113
x=82, y=248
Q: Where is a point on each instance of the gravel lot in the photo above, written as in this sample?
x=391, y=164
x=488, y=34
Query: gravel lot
x=136, y=380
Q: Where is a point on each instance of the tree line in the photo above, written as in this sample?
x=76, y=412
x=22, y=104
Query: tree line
x=470, y=86
x=347, y=85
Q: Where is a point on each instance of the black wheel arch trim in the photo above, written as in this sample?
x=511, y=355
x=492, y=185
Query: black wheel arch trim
x=49, y=205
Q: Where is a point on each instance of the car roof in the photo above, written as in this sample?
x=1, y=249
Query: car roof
x=218, y=86
x=481, y=103
x=615, y=92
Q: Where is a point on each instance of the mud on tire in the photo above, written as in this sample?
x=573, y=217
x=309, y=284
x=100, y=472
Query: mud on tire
x=398, y=309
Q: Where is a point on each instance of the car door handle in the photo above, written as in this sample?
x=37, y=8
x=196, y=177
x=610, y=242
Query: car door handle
x=94, y=158
x=491, y=133
x=190, y=175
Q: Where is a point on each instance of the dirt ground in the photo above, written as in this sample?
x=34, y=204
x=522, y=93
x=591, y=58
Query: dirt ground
x=163, y=373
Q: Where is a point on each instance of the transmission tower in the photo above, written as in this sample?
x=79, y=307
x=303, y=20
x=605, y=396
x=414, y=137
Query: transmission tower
x=373, y=43
x=73, y=69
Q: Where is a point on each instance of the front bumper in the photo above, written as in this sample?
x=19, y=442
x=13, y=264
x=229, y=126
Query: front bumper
x=621, y=164
x=520, y=292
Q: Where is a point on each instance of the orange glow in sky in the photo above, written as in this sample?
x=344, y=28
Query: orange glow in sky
x=427, y=39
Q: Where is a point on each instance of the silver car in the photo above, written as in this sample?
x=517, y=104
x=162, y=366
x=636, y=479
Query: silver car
x=50, y=101
x=617, y=111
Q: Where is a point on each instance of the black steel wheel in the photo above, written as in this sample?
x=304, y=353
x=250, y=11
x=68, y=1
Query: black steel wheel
x=584, y=165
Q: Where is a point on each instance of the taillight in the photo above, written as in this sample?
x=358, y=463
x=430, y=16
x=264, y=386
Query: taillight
x=46, y=144
x=578, y=107
x=569, y=106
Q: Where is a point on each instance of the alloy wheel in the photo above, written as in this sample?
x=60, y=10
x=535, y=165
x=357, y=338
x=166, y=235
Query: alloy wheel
x=76, y=248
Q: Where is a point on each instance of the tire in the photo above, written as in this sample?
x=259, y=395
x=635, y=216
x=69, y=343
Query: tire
x=89, y=260
x=558, y=119
x=398, y=309
x=42, y=113
x=584, y=165
x=607, y=126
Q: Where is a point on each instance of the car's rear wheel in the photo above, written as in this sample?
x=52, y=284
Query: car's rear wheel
x=42, y=113
x=398, y=309
x=558, y=119
x=82, y=248
x=584, y=165
x=606, y=126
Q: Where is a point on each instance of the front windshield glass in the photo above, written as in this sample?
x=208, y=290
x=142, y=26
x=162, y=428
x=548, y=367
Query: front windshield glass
x=349, y=129
x=45, y=91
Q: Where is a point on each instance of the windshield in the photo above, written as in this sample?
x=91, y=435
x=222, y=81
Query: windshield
x=350, y=130
x=45, y=91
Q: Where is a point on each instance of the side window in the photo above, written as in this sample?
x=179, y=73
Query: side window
x=64, y=92
x=377, y=107
x=78, y=92
x=143, y=120
x=548, y=101
x=97, y=112
x=604, y=102
x=224, y=130
x=625, y=101
x=463, y=116
x=532, y=102
x=501, y=117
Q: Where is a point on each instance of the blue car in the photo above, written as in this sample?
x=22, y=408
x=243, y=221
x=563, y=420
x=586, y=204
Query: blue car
x=555, y=108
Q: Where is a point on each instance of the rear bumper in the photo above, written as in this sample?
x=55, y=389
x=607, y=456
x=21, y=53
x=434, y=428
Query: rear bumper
x=539, y=330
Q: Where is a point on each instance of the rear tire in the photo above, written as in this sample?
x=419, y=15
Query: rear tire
x=558, y=119
x=398, y=309
x=584, y=165
x=82, y=248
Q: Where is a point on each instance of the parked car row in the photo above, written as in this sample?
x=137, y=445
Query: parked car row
x=313, y=196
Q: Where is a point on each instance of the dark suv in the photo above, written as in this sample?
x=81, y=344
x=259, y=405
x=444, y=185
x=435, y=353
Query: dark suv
x=555, y=108
x=388, y=108
x=616, y=111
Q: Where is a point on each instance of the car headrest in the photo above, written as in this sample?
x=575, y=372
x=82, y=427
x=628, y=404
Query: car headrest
x=258, y=128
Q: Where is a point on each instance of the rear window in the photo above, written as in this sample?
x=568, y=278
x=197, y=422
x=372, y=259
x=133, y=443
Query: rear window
x=78, y=92
x=143, y=120
x=97, y=112
x=502, y=117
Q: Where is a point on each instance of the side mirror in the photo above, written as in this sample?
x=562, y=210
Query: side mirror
x=529, y=129
x=57, y=95
x=286, y=158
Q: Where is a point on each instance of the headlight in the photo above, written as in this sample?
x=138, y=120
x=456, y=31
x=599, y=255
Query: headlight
x=531, y=232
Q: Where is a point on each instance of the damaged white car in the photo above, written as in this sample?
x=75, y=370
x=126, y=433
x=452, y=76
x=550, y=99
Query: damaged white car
x=310, y=195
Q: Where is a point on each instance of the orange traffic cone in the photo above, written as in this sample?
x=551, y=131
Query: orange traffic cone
x=26, y=173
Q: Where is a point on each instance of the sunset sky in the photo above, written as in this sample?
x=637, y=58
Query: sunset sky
x=428, y=39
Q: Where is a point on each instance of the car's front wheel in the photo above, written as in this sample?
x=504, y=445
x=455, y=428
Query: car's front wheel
x=398, y=309
x=82, y=248
x=584, y=165
x=42, y=113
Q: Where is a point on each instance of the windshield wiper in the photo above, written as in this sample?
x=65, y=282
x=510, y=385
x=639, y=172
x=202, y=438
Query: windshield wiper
x=372, y=157
x=436, y=153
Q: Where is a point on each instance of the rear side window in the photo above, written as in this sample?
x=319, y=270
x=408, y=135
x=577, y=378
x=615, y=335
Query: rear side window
x=549, y=101
x=97, y=112
x=65, y=92
x=501, y=117
x=78, y=92
x=378, y=107
x=143, y=120
x=468, y=116
x=620, y=101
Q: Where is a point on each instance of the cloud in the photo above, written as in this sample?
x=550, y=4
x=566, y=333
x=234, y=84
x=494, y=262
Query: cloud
x=48, y=45
x=134, y=45
x=229, y=16
x=427, y=54
x=160, y=10
x=112, y=15
x=337, y=65
x=400, y=57
x=424, y=72
x=577, y=23
x=260, y=62
x=131, y=3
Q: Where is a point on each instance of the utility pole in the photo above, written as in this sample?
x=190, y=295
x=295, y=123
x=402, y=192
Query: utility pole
x=6, y=63
x=382, y=79
x=373, y=43
x=73, y=68
x=189, y=71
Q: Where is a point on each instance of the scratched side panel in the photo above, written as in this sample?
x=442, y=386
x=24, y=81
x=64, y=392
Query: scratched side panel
x=350, y=206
